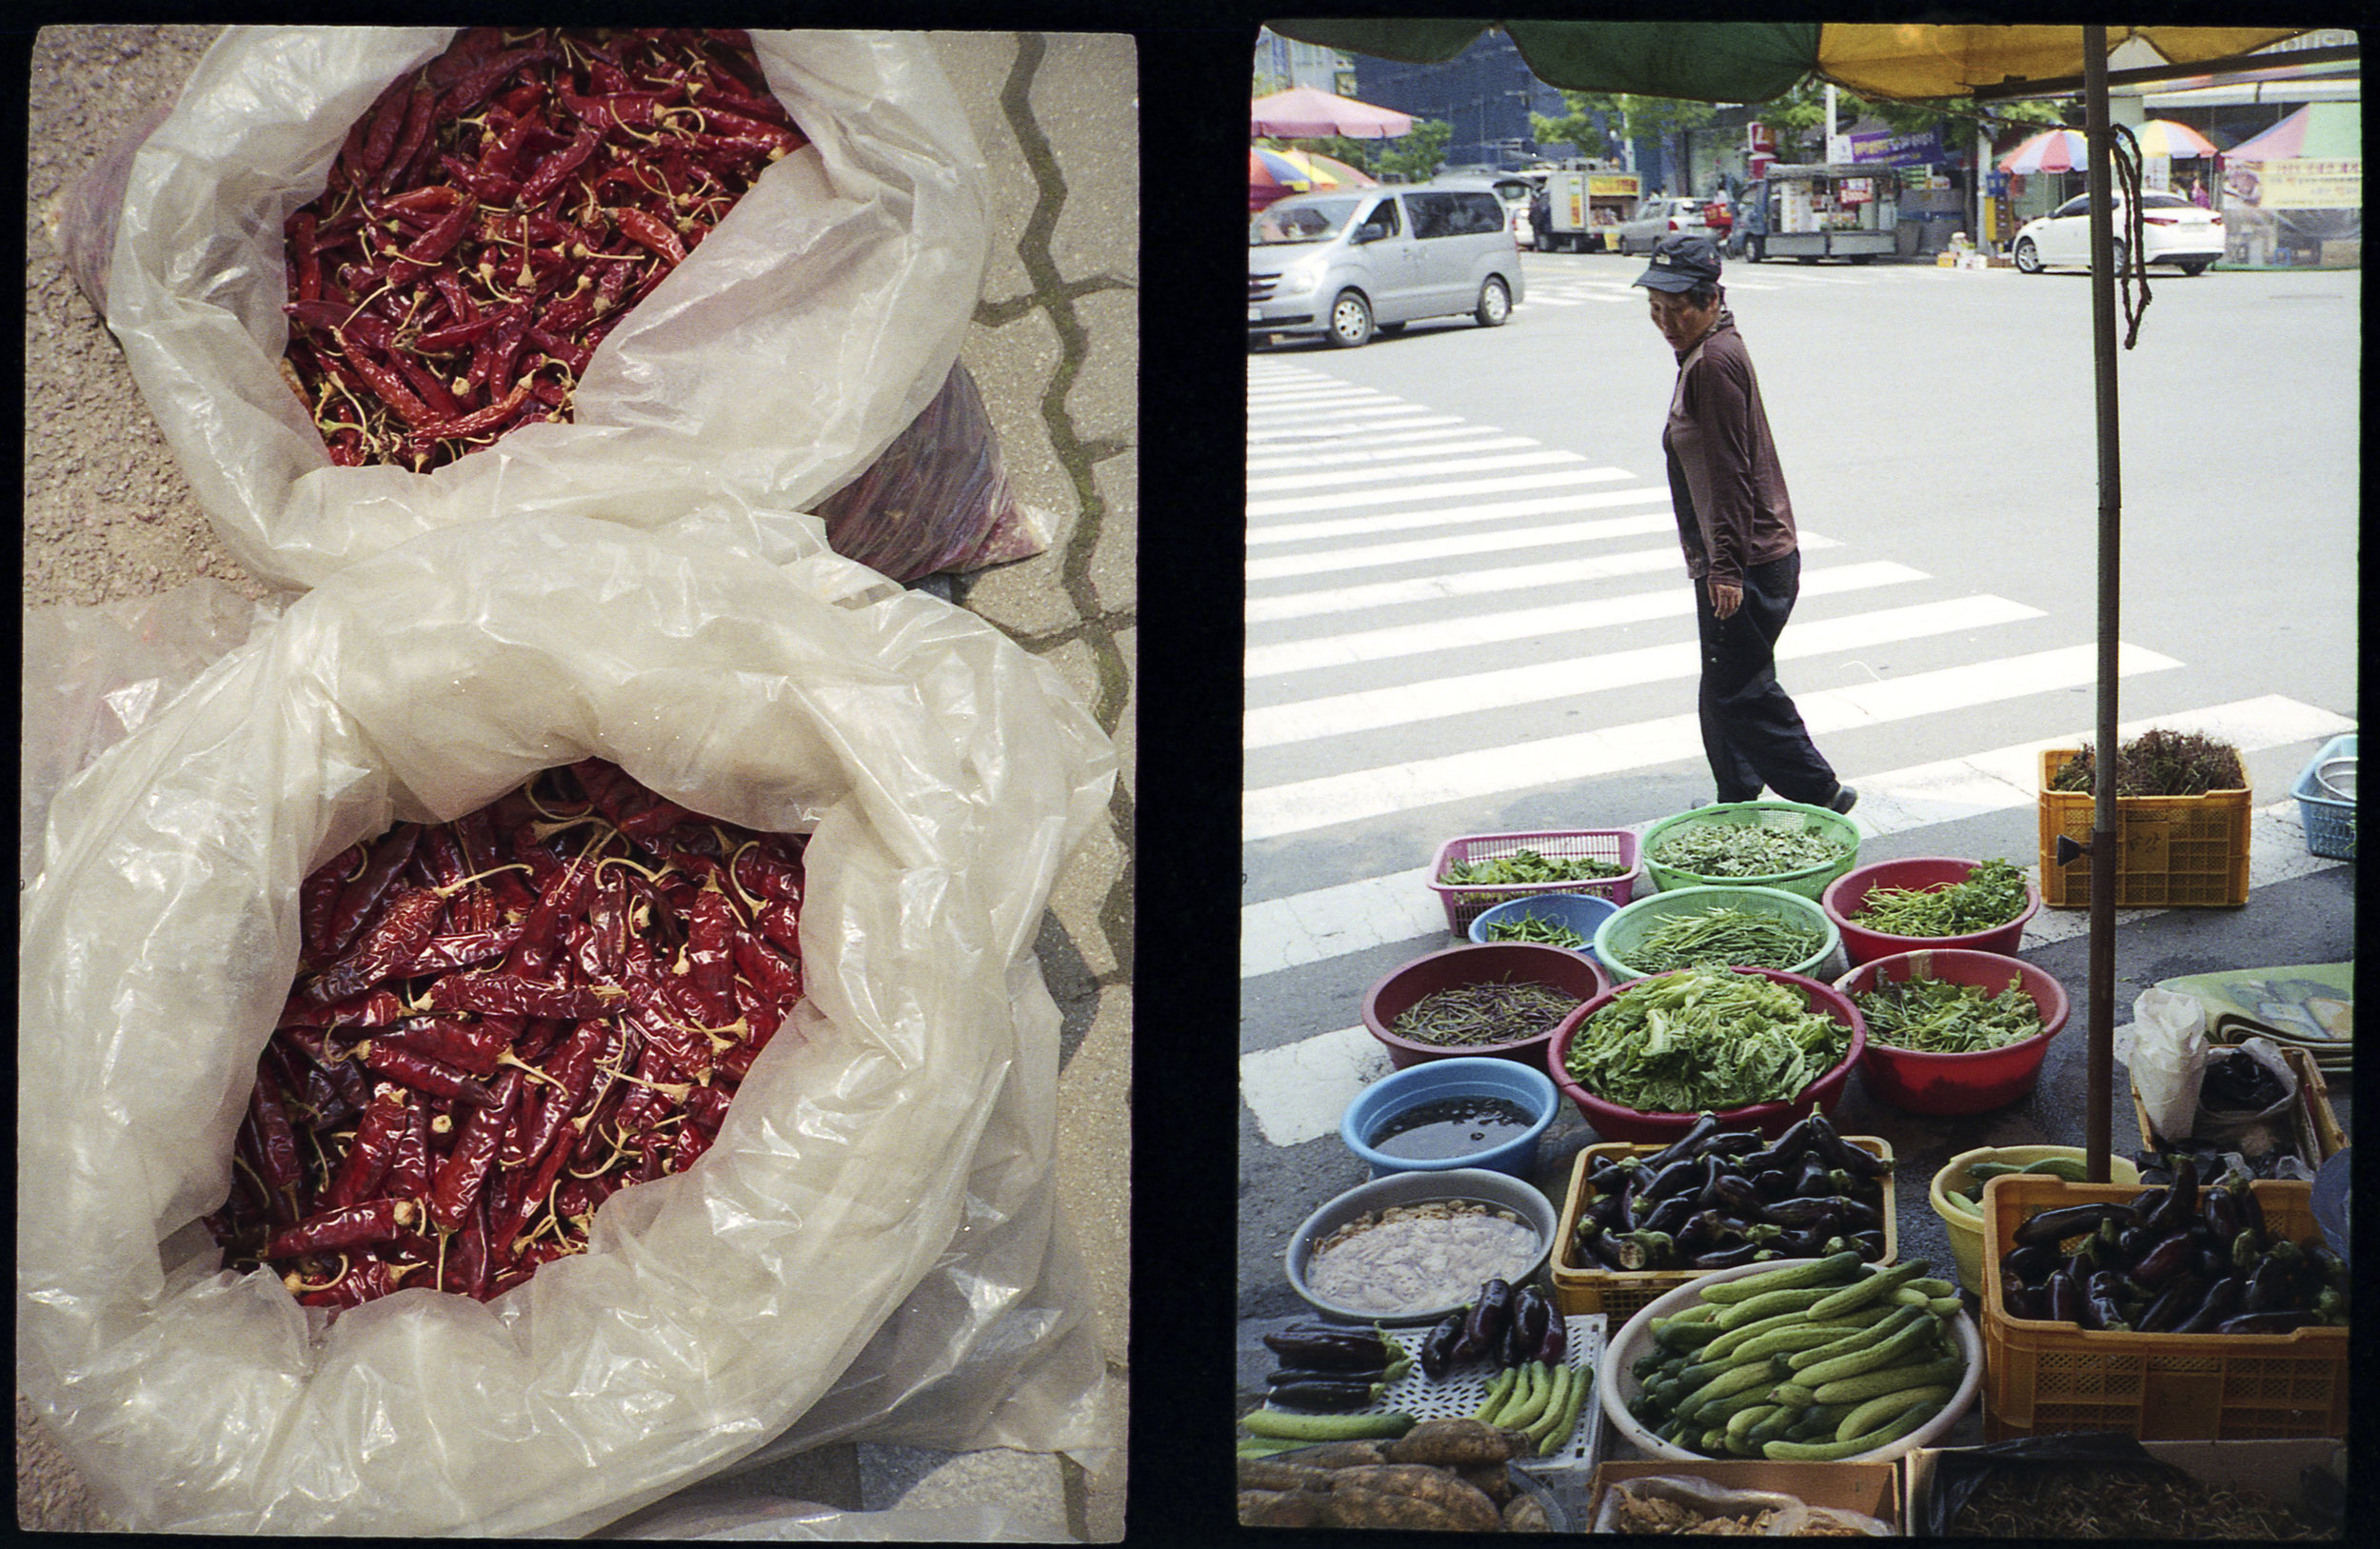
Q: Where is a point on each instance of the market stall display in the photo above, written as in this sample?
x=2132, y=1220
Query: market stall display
x=1473, y=872
x=1718, y=926
x=2181, y=807
x=1502, y=999
x=1443, y=1114
x=1411, y=1247
x=1440, y=1476
x=1956, y=1193
x=1786, y=844
x=1894, y=907
x=1568, y=920
x=1952, y=1031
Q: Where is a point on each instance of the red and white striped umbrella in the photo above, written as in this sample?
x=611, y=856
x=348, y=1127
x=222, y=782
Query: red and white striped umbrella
x=2068, y=151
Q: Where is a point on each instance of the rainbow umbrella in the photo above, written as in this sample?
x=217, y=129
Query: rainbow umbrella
x=2175, y=142
x=1271, y=176
x=2060, y=150
x=1327, y=171
x=2318, y=131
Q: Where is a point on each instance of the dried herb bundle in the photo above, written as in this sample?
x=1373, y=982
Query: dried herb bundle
x=2097, y=1501
x=1498, y=1011
x=2160, y=763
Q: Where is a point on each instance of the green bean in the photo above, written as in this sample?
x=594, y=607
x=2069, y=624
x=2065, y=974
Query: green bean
x=1528, y=927
x=1497, y=1011
x=1724, y=936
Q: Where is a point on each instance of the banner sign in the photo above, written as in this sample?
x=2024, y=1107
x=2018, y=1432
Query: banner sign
x=1888, y=150
x=2304, y=184
x=1611, y=185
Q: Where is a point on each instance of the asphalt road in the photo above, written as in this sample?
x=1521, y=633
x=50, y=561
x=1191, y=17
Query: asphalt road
x=1483, y=627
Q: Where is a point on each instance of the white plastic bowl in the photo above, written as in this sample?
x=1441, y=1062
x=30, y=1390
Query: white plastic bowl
x=1614, y=1388
x=1470, y=1185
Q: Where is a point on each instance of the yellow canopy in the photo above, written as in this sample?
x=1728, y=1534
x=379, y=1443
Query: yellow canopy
x=1919, y=61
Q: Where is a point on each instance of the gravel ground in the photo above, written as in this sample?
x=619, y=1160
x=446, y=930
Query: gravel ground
x=109, y=516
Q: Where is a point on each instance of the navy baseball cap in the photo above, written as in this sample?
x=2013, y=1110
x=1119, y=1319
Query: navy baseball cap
x=1681, y=260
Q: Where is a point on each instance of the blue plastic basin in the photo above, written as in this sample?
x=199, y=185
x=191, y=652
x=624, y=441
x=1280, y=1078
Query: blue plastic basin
x=1434, y=1080
x=1581, y=912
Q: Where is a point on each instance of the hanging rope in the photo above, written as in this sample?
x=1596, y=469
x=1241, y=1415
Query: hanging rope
x=2126, y=161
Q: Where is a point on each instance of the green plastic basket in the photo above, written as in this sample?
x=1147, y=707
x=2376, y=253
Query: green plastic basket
x=1617, y=937
x=1790, y=817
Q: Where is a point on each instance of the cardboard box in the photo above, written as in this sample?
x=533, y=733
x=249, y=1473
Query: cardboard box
x=2269, y=1468
x=1875, y=1489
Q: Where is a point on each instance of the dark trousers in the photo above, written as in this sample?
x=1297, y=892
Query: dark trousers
x=1751, y=731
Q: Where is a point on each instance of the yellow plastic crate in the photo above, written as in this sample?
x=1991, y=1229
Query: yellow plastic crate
x=2171, y=851
x=1584, y=1286
x=2313, y=1093
x=2042, y=1377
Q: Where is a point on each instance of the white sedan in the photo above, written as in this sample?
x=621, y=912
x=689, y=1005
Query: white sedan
x=2178, y=232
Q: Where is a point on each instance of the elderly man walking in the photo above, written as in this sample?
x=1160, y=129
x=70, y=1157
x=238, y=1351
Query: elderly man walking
x=1737, y=526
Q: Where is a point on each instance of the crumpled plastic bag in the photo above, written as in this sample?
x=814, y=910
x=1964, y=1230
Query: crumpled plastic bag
x=92, y=674
x=2255, y=1132
x=938, y=499
x=814, y=323
x=81, y=219
x=1708, y=1499
x=730, y=661
x=2169, y=1059
x=774, y=1519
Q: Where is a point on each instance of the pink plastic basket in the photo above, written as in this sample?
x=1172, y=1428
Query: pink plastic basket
x=1465, y=904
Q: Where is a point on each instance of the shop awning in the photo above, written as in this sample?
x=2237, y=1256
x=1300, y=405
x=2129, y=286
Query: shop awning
x=1754, y=61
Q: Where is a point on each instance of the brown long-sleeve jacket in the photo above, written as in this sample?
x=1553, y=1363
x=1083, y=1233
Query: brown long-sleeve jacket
x=1724, y=480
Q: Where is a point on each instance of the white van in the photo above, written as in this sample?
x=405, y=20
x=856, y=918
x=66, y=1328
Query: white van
x=1346, y=263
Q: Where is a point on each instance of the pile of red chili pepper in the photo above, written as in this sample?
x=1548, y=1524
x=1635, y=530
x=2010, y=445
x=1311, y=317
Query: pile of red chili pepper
x=496, y=213
x=499, y=1022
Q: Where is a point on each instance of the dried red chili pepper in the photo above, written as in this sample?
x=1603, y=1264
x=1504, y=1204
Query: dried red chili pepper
x=466, y=1170
x=392, y=941
x=361, y=898
x=348, y=1226
x=372, y=1150
x=422, y=1073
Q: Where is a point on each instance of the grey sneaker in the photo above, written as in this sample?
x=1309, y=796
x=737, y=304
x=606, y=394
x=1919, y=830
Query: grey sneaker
x=1845, y=799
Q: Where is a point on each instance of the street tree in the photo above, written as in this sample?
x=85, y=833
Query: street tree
x=1575, y=129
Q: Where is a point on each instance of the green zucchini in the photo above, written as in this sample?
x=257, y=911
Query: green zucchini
x=1827, y=1271
x=1558, y=1437
x=1274, y=1422
x=1535, y=1387
x=2072, y=1170
x=1558, y=1400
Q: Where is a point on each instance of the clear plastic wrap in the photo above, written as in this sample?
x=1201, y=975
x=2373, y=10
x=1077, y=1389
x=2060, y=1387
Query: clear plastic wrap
x=899, y=1125
x=1724, y=1511
x=938, y=499
x=813, y=325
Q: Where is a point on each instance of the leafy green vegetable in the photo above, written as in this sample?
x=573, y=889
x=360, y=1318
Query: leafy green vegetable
x=1526, y=865
x=1719, y=848
x=1722, y=936
x=1994, y=894
x=1934, y=1016
x=1704, y=1039
x=1528, y=927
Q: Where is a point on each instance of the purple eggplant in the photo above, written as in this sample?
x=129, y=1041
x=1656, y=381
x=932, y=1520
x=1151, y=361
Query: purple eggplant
x=2283, y=1321
x=1483, y=1332
x=1437, y=1350
x=2222, y=1300
x=2164, y=1261
x=1532, y=1309
x=2066, y=1298
x=1728, y=1258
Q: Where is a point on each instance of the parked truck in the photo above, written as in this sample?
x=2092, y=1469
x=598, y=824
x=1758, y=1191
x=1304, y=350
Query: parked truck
x=1837, y=210
x=1584, y=206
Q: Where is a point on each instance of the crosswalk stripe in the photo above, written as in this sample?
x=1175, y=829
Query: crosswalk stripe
x=1429, y=465
x=1300, y=928
x=1351, y=435
x=1297, y=1091
x=1312, y=416
x=1384, y=454
x=1353, y=526
x=1302, y=806
x=1530, y=623
x=1431, y=588
x=1458, y=547
x=1307, y=397
x=1369, y=709
x=1292, y=505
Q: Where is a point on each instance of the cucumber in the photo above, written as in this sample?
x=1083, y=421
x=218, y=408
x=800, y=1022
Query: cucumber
x=1965, y=1206
x=1781, y=1418
x=1793, y=1395
x=1274, y=1422
x=1758, y=1374
x=1815, y=1424
x=1673, y=1335
x=2072, y=1170
x=1891, y=1351
x=1888, y=1405
x=1558, y=1400
x=1859, y=1293
x=1742, y=1420
x=1876, y=1384
x=1559, y=1435
x=1774, y=1304
x=1795, y=1335
x=1827, y=1271
x=1538, y=1387
x=1721, y=1410
x=1883, y=1328
x=1827, y=1452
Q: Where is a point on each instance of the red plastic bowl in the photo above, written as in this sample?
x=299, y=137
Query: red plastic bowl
x=1848, y=893
x=1613, y=1122
x=1951, y=1084
x=1573, y=973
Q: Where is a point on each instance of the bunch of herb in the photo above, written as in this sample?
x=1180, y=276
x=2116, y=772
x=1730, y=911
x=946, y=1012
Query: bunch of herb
x=1526, y=865
x=1994, y=894
x=1497, y=1011
x=1705, y=1039
x=2159, y=763
x=2035, y=1502
x=1743, y=849
x=1932, y=1016
x=1529, y=928
x=1723, y=936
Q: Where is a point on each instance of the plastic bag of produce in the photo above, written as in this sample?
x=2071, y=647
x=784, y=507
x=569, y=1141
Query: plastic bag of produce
x=2169, y=1058
x=811, y=327
x=2246, y=1100
x=1664, y=1504
x=730, y=661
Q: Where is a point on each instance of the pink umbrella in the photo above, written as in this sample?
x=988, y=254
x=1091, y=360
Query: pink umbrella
x=1303, y=112
x=2060, y=150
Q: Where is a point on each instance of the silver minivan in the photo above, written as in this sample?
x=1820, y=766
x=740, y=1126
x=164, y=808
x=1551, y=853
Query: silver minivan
x=1348, y=263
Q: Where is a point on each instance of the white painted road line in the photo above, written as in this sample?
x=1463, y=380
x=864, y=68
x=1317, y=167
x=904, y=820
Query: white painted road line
x=1302, y=806
x=1530, y=623
x=1423, y=464
x=1289, y=506
x=1351, y=435
x=1298, y=1091
x=1371, y=556
x=1409, y=703
x=1357, y=526
x=1289, y=932
x=1281, y=418
x=1367, y=458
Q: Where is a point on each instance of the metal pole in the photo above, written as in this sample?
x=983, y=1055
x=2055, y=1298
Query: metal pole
x=2101, y=1078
